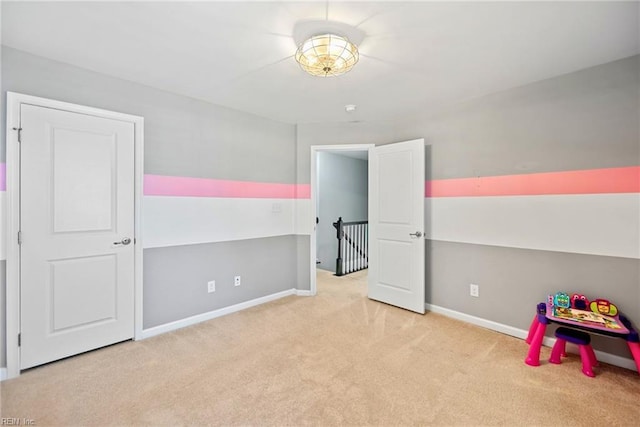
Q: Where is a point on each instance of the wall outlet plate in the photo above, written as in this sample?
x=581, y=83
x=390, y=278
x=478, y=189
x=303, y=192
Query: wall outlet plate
x=236, y=281
x=211, y=286
x=474, y=290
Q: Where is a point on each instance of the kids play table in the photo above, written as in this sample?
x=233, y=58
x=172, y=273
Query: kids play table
x=594, y=323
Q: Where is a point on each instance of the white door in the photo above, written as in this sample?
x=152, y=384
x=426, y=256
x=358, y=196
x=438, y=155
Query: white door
x=77, y=228
x=396, y=218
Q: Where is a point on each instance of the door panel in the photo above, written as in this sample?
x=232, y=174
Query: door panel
x=396, y=211
x=390, y=272
x=93, y=281
x=396, y=196
x=83, y=181
x=77, y=203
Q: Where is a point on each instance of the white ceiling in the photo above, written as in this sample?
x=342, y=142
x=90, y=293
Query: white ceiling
x=415, y=56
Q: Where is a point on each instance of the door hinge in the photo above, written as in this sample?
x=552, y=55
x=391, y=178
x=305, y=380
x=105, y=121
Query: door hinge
x=19, y=340
x=19, y=237
x=19, y=134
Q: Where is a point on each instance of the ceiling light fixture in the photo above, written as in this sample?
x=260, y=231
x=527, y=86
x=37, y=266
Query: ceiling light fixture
x=327, y=55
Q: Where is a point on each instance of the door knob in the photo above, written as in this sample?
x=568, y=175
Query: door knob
x=124, y=242
x=416, y=234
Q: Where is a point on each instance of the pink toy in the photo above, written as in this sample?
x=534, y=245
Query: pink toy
x=614, y=324
x=579, y=301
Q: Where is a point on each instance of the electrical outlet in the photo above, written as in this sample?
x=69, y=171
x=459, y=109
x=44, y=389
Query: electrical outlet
x=236, y=281
x=474, y=290
x=211, y=286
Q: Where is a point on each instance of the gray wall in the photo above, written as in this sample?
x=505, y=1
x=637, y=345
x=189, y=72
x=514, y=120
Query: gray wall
x=183, y=137
x=582, y=120
x=342, y=192
x=304, y=264
x=589, y=119
x=174, y=276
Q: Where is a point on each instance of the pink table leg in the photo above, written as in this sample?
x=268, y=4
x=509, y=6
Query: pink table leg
x=592, y=356
x=533, y=356
x=558, y=351
x=532, y=329
x=587, y=369
x=635, y=352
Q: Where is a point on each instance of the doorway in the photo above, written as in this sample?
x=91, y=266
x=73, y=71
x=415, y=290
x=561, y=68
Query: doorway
x=74, y=186
x=395, y=236
x=325, y=203
x=342, y=206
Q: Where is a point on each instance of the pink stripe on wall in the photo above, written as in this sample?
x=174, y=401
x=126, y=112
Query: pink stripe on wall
x=303, y=191
x=593, y=181
x=3, y=177
x=180, y=186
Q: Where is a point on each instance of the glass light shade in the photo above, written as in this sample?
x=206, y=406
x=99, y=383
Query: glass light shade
x=327, y=55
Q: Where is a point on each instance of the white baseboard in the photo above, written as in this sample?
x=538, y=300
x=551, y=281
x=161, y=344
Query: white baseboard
x=178, y=324
x=3, y=374
x=489, y=324
x=303, y=293
x=609, y=358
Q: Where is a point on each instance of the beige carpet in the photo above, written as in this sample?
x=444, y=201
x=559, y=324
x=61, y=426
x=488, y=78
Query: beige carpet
x=334, y=359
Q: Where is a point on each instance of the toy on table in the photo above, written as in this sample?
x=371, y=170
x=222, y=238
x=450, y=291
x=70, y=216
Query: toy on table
x=579, y=301
x=603, y=306
x=561, y=299
x=600, y=313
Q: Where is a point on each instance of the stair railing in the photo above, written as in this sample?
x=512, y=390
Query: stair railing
x=353, y=246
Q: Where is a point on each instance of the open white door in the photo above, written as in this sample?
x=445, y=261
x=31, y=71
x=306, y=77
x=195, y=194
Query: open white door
x=77, y=228
x=396, y=224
